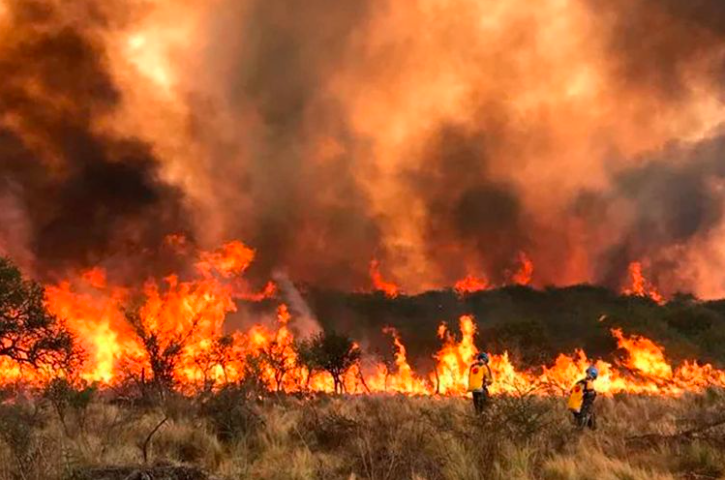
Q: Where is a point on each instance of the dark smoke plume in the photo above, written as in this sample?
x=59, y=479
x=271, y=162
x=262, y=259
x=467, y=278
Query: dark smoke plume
x=87, y=195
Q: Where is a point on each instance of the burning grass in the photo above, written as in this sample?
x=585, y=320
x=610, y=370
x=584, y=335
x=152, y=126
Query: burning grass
x=369, y=437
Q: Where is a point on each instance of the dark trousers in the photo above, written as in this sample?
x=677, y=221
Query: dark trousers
x=480, y=399
x=586, y=418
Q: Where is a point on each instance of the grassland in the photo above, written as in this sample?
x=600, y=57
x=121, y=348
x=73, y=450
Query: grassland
x=230, y=436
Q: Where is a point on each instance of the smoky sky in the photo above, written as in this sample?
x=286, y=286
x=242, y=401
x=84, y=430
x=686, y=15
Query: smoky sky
x=581, y=152
x=674, y=196
x=655, y=43
x=474, y=221
x=88, y=195
x=314, y=219
x=308, y=216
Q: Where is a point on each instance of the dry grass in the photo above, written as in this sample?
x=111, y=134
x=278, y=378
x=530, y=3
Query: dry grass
x=371, y=438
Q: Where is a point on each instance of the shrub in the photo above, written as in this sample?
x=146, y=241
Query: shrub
x=19, y=425
x=66, y=399
x=230, y=414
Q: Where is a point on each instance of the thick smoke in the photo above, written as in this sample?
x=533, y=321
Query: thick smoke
x=289, y=188
x=478, y=226
x=87, y=195
x=441, y=138
x=676, y=200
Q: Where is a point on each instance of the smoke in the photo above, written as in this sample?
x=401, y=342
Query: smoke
x=14, y=229
x=481, y=224
x=305, y=322
x=87, y=195
x=676, y=202
x=440, y=138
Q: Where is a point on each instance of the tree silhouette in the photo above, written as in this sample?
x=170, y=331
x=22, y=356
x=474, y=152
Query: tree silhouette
x=331, y=352
x=29, y=334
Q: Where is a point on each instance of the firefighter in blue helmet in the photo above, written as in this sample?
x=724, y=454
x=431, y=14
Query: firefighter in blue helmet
x=479, y=379
x=581, y=400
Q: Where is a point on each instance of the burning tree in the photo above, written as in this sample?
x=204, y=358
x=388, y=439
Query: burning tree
x=29, y=334
x=217, y=356
x=163, y=350
x=331, y=352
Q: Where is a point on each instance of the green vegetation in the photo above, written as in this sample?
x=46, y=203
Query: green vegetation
x=535, y=325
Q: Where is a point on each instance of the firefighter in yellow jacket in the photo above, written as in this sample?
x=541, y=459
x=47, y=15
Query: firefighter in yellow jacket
x=581, y=400
x=479, y=379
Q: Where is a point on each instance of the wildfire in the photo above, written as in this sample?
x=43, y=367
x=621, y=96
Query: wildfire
x=526, y=271
x=390, y=289
x=402, y=379
x=471, y=284
x=93, y=313
x=186, y=317
x=640, y=286
x=232, y=259
x=269, y=291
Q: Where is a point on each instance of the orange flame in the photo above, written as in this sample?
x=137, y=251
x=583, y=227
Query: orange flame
x=403, y=379
x=269, y=291
x=526, y=271
x=640, y=286
x=471, y=284
x=390, y=289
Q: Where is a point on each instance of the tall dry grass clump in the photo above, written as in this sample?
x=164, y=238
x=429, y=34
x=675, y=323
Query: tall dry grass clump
x=235, y=434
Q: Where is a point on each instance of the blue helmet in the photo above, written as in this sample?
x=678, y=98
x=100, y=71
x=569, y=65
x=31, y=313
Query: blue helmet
x=482, y=357
x=592, y=372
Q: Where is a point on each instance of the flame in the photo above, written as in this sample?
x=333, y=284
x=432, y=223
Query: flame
x=454, y=358
x=640, y=286
x=269, y=291
x=526, y=271
x=232, y=259
x=471, y=284
x=390, y=289
x=403, y=379
x=96, y=277
x=190, y=313
x=94, y=316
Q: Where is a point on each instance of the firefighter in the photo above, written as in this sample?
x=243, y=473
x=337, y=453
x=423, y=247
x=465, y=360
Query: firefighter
x=479, y=379
x=581, y=400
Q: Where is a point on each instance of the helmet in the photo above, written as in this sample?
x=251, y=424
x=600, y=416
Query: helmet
x=482, y=357
x=592, y=372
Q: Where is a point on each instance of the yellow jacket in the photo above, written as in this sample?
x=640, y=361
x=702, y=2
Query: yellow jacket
x=479, y=377
x=576, y=397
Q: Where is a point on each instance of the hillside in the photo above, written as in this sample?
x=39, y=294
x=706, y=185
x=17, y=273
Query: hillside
x=535, y=325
